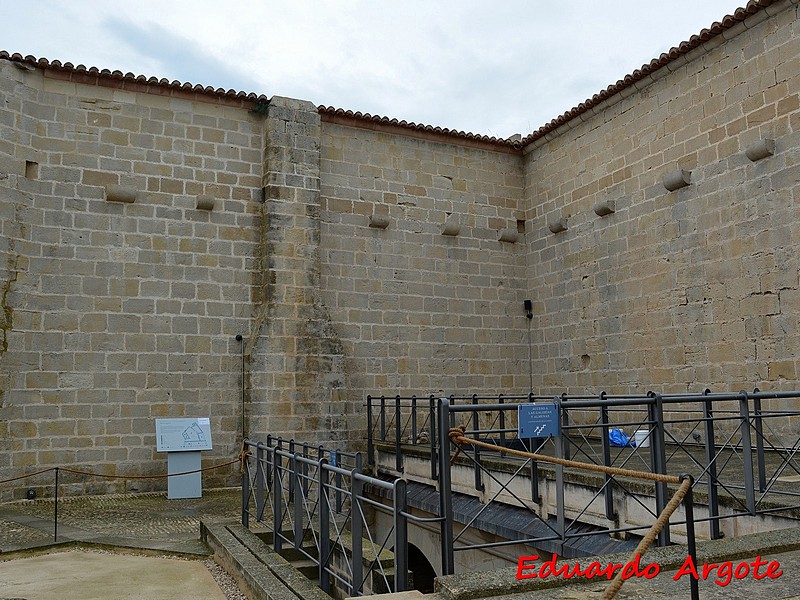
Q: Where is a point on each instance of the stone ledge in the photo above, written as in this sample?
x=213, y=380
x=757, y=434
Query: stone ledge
x=254, y=565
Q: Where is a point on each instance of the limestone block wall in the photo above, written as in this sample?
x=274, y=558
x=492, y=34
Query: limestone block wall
x=297, y=387
x=679, y=290
x=116, y=313
x=418, y=311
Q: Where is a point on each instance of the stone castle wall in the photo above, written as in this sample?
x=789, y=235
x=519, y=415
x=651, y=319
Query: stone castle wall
x=114, y=313
x=675, y=291
x=419, y=311
x=356, y=258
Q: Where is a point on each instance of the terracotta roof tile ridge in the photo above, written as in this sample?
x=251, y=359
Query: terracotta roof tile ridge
x=119, y=76
x=367, y=117
x=674, y=53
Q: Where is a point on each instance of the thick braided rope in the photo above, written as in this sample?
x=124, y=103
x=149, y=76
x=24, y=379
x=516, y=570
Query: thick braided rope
x=459, y=439
x=647, y=540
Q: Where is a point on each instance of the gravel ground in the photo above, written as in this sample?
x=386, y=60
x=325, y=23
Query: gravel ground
x=225, y=581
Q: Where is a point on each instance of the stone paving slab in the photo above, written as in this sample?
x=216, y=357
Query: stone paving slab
x=90, y=575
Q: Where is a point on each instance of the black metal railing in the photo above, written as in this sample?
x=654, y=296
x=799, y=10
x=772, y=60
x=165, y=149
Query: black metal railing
x=740, y=449
x=315, y=501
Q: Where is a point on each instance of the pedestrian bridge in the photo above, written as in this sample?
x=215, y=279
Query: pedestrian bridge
x=427, y=500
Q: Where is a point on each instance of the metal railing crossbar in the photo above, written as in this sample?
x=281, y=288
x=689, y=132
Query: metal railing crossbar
x=503, y=486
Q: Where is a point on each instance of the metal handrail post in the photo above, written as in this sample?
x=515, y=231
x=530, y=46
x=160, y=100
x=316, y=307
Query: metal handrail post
x=688, y=509
x=747, y=453
x=414, y=433
x=658, y=459
x=445, y=498
x=259, y=481
x=268, y=470
x=382, y=419
x=533, y=446
x=398, y=451
x=299, y=500
x=502, y=418
x=324, y=527
x=476, y=449
x=55, y=510
x=289, y=481
x=277, y=499
x=567, y=451
x=609, y=489
x=560, y=504
x=399, y=493
x=760, y=460
x=356, y=533
x=711, y=461
x=245, y=493
x=370, y=440
x=433, y=437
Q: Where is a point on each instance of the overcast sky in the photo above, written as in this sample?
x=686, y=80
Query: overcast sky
x=491, y=67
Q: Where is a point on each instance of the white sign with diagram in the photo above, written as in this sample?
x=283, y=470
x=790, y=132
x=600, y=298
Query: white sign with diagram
x=183, y=435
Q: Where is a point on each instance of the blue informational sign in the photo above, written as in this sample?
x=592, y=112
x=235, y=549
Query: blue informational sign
x=538, y=420
x=333, y=458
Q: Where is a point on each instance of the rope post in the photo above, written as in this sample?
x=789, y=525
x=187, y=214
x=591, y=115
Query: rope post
x=55, y=511
x=688, y=509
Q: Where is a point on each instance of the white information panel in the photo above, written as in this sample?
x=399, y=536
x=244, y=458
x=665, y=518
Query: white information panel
x=183, y=435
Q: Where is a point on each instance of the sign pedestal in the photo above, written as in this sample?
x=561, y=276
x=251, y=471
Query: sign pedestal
x=184, y=486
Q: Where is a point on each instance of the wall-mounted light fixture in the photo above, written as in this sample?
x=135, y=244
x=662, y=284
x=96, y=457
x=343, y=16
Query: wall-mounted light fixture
x=528, y=305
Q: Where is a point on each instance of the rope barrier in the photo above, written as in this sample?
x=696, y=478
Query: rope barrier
x=242, y=457
x=458, y=437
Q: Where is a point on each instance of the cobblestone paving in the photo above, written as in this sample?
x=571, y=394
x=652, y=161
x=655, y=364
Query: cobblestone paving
x=148, y=520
